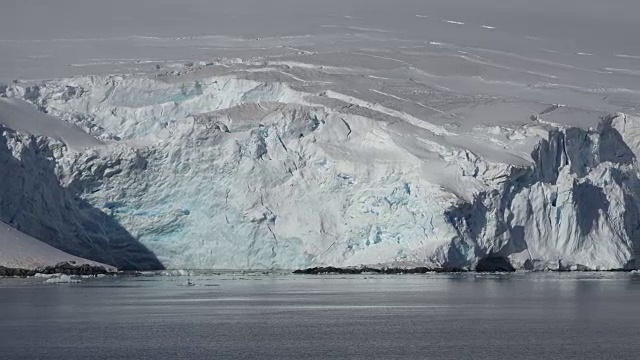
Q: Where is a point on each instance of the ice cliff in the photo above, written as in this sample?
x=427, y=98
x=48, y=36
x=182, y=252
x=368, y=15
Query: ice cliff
x=222, y=171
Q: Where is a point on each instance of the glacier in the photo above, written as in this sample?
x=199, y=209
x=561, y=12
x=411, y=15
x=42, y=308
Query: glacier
x=226, y=171
x=334, y=135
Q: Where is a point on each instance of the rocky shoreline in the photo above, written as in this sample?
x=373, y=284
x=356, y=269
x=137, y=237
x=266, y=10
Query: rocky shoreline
x=329, y=270
x=488, y=265
x=323, y=270
x=64, y=268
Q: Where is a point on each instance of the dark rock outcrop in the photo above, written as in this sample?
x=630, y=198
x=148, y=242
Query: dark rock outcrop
x=494, y=264
x=369, y=270
x=7, y=271
x=65, y=268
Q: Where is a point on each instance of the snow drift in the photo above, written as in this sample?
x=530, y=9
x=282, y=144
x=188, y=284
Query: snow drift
x=18, y=250
x=241, y=171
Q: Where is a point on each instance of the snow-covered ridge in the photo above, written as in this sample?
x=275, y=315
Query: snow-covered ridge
x=18, y=250
x=269, y=167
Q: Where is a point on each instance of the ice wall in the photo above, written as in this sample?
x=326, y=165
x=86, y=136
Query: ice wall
x=226, y=172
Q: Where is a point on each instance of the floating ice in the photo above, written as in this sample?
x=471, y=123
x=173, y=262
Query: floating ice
x=62, y=279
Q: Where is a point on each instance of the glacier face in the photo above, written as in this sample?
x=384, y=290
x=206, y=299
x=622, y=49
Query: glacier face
x=244, y=170
x=35, y=201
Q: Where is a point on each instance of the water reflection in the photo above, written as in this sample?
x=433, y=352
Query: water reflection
x=478, y=316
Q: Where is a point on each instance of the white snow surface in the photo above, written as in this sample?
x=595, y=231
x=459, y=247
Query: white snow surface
x=342, y=140
x=19, y=115
x=18, y=250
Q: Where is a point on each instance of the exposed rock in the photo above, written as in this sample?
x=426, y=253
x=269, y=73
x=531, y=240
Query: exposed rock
x=65, y=268
x=6, y=271
x=72, y=269
x=494, y=264
x=365, y=270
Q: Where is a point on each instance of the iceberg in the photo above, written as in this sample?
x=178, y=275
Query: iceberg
x=62, y=279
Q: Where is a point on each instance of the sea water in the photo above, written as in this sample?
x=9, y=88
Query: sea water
x=282, y=316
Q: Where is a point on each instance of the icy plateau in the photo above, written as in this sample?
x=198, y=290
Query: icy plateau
x=439, y=144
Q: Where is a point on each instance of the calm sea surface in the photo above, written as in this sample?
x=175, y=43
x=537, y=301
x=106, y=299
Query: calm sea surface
x=278, y=316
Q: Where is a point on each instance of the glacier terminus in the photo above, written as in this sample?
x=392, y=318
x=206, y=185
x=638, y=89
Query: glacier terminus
x=435, y=141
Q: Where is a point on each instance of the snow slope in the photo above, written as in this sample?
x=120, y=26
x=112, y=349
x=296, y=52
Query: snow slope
x=436, y=140
x=18, y=250
x=19, y=115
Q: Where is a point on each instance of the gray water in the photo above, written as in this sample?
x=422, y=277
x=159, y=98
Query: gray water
x=238, y=316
